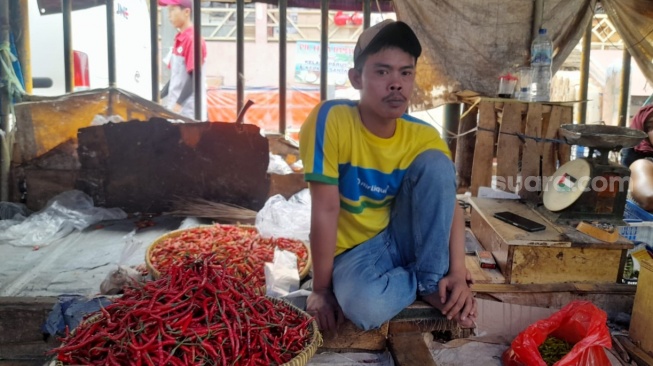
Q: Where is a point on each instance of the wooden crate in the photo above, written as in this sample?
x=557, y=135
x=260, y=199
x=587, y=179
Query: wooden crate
x=558, y=254
x=641, y=323
x=500, y=125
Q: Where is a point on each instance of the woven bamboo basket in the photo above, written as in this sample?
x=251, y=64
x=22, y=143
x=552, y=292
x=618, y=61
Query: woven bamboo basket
x=301, y=359
x=155, y=273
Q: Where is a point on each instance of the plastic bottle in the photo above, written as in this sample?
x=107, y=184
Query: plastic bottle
x=541, y=56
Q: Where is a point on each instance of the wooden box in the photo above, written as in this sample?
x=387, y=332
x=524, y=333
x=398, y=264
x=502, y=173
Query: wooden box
x=558, y=254
x=524, y=139
x=641, y=323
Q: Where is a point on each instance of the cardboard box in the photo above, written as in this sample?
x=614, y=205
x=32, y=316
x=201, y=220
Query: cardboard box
x=641, y=323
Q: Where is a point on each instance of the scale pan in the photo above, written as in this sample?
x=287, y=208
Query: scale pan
x=601, y=136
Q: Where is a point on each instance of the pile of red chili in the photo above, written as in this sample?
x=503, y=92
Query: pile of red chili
x=198, y=314
x=243, y=247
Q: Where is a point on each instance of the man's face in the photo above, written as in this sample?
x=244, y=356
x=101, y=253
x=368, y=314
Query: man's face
x=386, y=82
x=177, y=15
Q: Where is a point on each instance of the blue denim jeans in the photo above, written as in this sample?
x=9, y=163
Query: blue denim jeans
x=377, y=279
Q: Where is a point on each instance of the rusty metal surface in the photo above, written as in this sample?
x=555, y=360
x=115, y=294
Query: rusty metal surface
x=601, y=136
x=141, y=167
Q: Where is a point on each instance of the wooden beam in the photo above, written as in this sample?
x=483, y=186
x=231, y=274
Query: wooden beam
x=409, y=349
x=564, y=150
x=351, y=338
x=549, y=155
x=585, y=288
x=507, y=151
x=642, y=358
x=530, y=163
x=484, y=149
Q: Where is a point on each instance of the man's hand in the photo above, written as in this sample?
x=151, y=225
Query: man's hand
x=176, y=108
x=322, y=304
x=457, y=297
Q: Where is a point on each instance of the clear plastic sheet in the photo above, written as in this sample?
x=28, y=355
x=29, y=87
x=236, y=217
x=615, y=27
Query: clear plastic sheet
x=65, y=213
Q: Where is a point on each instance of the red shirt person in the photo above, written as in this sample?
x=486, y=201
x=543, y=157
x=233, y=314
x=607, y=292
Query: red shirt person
x=179, y=91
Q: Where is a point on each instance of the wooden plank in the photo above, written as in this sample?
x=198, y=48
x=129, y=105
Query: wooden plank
x=21, y=318
x=483, y=151
x=582, y=240
x=564, y=150
x=43, y=361
x=483, y=275
x=530, y=166
x=409, y=349
x=642, y=315
x=286, y=184
x=508, y=147
x=509, y=234
x=26, y=350
x=422, y=317
x=491, y=241
x=610, y=303
x=580, y=288
x=556, y=265
x=149, y=163
x=465, y=148
x=642, y=358
x=549, y=157
x=428, y=326
x=351, y=338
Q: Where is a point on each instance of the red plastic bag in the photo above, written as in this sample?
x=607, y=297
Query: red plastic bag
x=579, y=323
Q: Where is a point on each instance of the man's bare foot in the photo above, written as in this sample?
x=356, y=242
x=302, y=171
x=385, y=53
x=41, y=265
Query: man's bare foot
x=434, y=300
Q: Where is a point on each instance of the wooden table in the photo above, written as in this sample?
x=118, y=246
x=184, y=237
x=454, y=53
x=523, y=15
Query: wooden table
x=559, y=254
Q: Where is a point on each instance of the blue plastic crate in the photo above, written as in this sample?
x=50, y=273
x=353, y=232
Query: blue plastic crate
x=640, y=233
x=636, y=213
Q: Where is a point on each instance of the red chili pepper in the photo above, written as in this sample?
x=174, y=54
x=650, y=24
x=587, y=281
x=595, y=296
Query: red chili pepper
x=215, y=318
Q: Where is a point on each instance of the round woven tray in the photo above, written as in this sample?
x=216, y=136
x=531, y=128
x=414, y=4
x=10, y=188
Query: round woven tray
x=300, y=360
x=155, y=273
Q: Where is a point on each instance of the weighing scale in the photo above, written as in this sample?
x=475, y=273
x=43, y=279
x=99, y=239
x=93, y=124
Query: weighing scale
x=591, y=188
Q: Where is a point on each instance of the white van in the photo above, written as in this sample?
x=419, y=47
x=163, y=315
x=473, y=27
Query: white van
x=89, y=41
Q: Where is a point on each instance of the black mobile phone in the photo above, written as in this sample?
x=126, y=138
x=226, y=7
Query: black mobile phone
x=519, y=221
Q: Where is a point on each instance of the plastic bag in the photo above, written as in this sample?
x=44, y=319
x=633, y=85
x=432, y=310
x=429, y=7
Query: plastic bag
x=66, y=212
x=282, y=275
x=278, y=165
x=100, y=120
x=286, y=218
x=117, y=279
x=579, y=323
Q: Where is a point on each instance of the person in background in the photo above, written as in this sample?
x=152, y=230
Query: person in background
x=640, y=160
x=385, y=223
x=642, y=121
x=179, y=91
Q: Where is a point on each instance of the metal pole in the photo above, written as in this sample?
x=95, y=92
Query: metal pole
x=585, y=72
x=324, y=49
x=624, y=94
x=283, y=56
x=197, y=58
x=20, y=12
x=451, y=123
x=154, y=49
x=240, y=55
x=69, y=68
x=367, y=13
x=538, y=13
x=4, y=112
x=111, y=42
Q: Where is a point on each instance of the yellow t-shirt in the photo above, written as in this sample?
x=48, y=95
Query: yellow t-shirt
x=337, y=149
